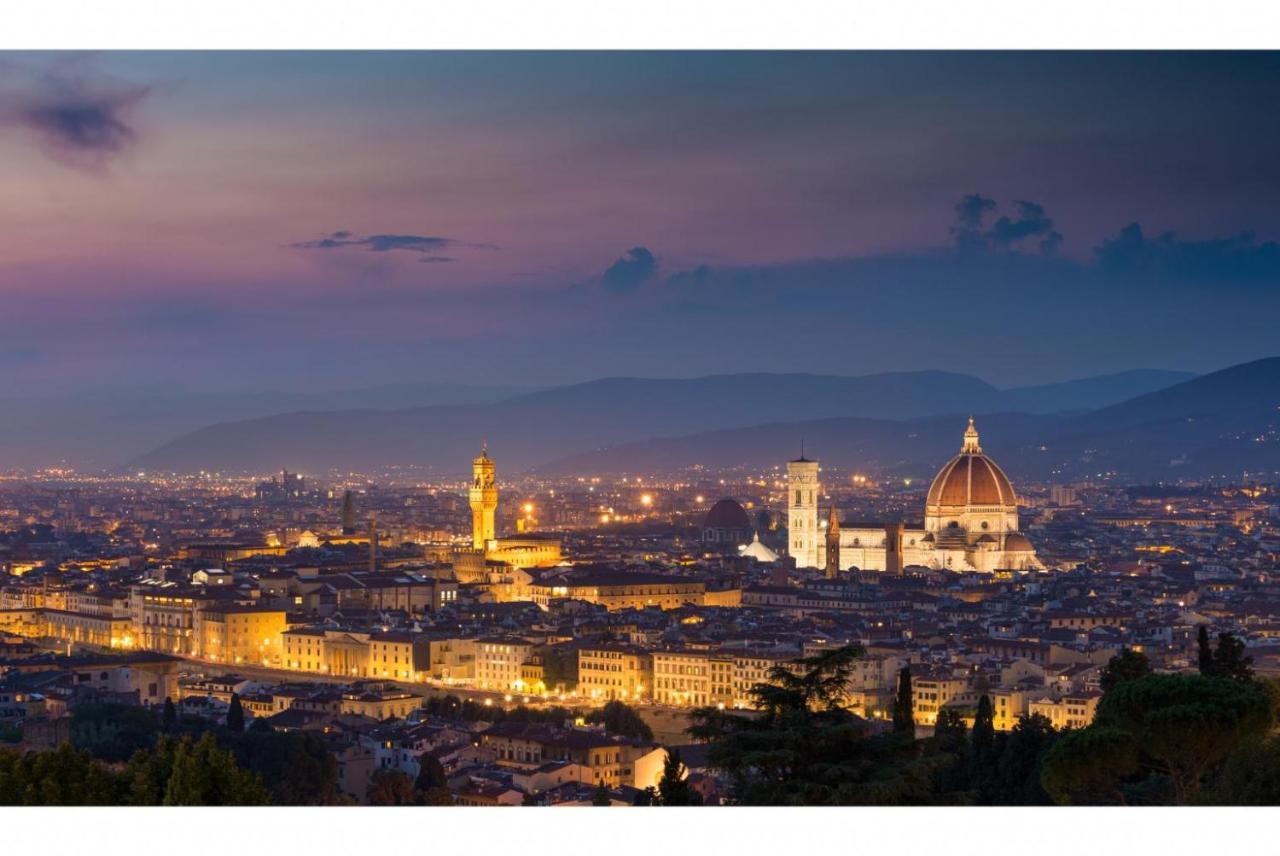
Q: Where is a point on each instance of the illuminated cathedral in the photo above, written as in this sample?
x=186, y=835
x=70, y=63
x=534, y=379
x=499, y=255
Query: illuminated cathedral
x=970, y=523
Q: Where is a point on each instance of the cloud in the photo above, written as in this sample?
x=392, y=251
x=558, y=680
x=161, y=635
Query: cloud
x=1237, y=257
x=1006, y=234
x=75, y=119
x=427, y=247
x=628, y=273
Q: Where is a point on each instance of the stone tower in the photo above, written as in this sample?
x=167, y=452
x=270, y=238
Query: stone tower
x=805, y=543
x=832, y=566
x=484, y=500
x=348, y=513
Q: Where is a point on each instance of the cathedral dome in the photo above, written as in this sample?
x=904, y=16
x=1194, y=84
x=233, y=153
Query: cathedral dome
x=726, y=514
x=971, y=479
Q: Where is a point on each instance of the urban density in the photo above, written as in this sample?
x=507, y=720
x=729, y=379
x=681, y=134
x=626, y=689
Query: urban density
x=499, y=627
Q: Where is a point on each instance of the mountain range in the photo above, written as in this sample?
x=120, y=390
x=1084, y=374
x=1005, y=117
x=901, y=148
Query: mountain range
x=1146, y=424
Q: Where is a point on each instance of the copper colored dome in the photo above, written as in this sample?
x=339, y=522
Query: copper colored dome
x=726, y=514
x=971, y=479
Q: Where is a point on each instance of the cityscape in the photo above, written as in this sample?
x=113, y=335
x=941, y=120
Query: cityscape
x=638, y=430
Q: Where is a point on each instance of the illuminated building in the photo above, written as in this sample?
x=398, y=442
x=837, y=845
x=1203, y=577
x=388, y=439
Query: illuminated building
x=622, y=590
x=615, y=672
x=484, y=501
x=970, y=522
x=231, y=633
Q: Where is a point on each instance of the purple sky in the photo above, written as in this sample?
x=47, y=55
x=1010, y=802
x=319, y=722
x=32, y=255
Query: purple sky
x=219, y=221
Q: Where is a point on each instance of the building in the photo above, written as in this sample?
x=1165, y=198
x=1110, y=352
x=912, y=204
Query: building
x=615, y=672
x=484, y=501
x=615, y=589
x=970, y=522
x=498, y=662
x=233, y=633
x=726, y=526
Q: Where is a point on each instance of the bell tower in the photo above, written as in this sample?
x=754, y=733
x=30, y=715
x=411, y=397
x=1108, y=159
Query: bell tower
x=832, y=567
x=803, y=536
x=484, y=500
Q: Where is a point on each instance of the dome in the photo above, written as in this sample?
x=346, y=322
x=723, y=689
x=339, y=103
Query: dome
x=726, y=514
x=971, y=479
x=759, y=552
x=1017, y=542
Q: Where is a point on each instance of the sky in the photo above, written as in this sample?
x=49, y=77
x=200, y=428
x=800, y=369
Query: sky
x=222, y=221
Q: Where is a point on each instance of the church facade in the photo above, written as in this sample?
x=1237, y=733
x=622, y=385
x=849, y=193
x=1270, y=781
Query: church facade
x=970, y=523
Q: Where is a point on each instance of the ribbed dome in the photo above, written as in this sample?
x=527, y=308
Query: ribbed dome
x=1018, y=542
x=971, y=479
x=726, y=514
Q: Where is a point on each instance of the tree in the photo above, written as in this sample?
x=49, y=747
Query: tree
x=620, y=718
x=904, y=720
x=1204, y=653
x=390, y=787
x=601, y=796
x=1251, y=776
x=180, y=772
x=296, y=767
x=1128, y=665
x=1178, y=726
x=65, y=776
x=673, y=787
x=170, y=718
x=950, y=743
x=235, y=715
x=432, y=784
x=113, y=732
x=982, y=751
x=1018, y=768
x=1088, y=766
x=803, y=747
x=1229, y=659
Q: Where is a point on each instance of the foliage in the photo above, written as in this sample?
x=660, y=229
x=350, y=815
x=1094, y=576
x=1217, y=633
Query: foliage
x=186, y=773
x=170, y=717
x=432, y=784
x=1088, y=766
x=1017, y=769
x=1128, y=665
x=1250, y=776
x=296, y=767
x=235, y=715
x=601, y=796
x=113, y=732
x=983, y=754
x=391, y=787
x=1179, y=726
x=805, y=748
x=459, y=710
x=65, y=776
x=673, y=787
x=904, y=720
x=620, y=718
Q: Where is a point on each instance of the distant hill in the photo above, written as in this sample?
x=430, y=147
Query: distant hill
x=1221, y=425
x=529, y=430
x=106, y=428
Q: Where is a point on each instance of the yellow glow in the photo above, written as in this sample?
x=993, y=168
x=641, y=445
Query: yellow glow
x=646, y=499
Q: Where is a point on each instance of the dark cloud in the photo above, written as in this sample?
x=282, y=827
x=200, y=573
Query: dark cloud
x=437, y=259
x=1238, y=257
x=377, y=243
x=970, y=233
x=76, y=119
x=631, y=271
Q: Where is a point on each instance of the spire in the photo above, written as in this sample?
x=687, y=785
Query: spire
x=833, y=522
x=971, y=446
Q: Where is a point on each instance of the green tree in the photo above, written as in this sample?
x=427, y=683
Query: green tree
x=622, y=719
x=235, y=715
x=170, y=718
x=1018, y=768
x=432, y=784
x=1204, y=653
x=904, y=719
x=1089, y=766
x=391, y=787
x=673, y=787
x=296, y=767
x=1178, y=726
x=1250, y=776
x=601, y=796
x=803, y=747
x=1230, y=660
x=182, y=772
x=65, y=776
x=111, y=731
x=982, y=751
x=950, y=742
x=1128, y=665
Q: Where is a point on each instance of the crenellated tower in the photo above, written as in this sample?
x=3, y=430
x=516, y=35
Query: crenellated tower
x=484, y=500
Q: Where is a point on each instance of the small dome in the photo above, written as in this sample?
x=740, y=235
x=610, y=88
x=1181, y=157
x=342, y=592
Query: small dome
x=1017, y=542
x=726, y=514
x=759, y=552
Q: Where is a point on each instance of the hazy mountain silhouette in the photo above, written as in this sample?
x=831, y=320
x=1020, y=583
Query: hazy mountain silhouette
x=529, y=430
x=1223, y=425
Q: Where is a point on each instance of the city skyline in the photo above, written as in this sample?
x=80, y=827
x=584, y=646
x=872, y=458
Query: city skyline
x=202, y=222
